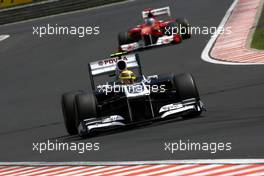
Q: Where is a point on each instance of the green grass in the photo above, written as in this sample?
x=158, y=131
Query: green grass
x=258, y=37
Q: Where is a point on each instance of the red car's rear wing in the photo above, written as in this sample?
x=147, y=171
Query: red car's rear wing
x=156, y=12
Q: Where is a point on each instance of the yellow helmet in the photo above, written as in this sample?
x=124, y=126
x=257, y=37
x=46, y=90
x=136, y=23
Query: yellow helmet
x=127, y=75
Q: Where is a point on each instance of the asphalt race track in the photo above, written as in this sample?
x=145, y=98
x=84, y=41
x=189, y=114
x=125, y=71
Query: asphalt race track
x=34, y=72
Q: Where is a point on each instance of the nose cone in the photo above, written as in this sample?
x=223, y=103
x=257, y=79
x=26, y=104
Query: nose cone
x=146, y=30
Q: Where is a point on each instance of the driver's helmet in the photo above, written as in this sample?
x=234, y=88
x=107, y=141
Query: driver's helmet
x=127, y=77
x=149, y=21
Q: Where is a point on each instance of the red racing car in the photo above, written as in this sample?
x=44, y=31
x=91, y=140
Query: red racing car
x=154, y=32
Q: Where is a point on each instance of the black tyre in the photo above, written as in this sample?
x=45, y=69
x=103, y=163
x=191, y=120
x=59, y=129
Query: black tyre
x=172, y=28
x=86, y=107
x=186, y=88
x=68, y=110
x=184, y=27
x=124, y=38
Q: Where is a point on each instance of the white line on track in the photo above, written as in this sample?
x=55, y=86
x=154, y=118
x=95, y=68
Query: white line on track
x=206, y=52
x=191, y=161
x=3, y=37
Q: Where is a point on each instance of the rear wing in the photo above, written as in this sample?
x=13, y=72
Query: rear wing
x=156, y=12
x=109, y=66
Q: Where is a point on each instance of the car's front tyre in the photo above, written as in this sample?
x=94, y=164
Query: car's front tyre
x=186, y=89
x=68, y=110
x=86, y=107
x=124, y=38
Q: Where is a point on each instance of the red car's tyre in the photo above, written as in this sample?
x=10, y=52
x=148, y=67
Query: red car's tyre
x=184, y=27
x=124, y=38
x=174, y=30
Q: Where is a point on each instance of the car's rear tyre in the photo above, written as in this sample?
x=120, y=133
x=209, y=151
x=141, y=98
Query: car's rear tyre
x=186, y=89
x=68, y=110
x=86, y=107
x=172, y=28
x=124, y=38
x=184, y=27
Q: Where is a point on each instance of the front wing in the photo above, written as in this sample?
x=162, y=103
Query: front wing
x=90, y=126
x=139, y=45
